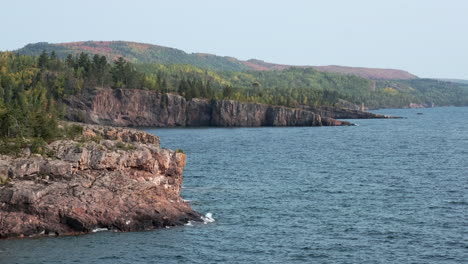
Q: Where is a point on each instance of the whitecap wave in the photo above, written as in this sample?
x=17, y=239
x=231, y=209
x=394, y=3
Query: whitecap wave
x=99, y=229
x=208, y=218
x=189, y=223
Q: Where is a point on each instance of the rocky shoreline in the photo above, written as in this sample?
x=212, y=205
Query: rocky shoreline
x=143, y=108
x=113, y=179
x=344, y=113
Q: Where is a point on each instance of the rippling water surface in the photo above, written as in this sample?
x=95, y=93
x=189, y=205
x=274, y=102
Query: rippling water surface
x=385, y=191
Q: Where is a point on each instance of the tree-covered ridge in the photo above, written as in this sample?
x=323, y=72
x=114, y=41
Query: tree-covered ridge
x=147, y=53
x=136, y=53
x=454, y=80
x=430, y=91
x=306, y=86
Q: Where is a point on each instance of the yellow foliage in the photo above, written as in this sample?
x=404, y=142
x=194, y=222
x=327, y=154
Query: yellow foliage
x=390, y=91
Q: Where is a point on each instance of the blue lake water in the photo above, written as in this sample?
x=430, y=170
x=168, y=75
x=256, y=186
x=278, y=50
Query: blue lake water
x=385, y=191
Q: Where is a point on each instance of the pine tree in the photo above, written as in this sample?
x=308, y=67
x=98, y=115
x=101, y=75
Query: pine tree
x=70, y=61
x=43, y=60
x=2, y=95
x=118, y=72
x=85, y=63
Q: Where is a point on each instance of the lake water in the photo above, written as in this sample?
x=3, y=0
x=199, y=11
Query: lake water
x=385, y=191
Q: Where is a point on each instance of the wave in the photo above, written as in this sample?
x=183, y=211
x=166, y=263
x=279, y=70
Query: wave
x=100, y=229
x=208, y=218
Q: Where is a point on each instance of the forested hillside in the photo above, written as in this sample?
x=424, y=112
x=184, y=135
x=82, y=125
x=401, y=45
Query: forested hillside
x=454, y=80
x=136, y=53
x=306, y=86
x=30, y=93
x=147, y=53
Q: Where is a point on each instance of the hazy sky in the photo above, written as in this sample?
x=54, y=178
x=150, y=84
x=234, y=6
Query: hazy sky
x=426, y=37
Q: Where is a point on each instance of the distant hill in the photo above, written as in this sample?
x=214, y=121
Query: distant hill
x=137, y=53
x=454, y=81
x=369, y=73
x=148, y=53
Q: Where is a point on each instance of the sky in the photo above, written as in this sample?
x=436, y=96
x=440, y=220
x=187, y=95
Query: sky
x=425, y=37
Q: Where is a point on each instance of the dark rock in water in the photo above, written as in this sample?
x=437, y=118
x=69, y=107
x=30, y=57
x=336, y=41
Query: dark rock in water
x=120, y=107
x=419, y=113
x=121, y=181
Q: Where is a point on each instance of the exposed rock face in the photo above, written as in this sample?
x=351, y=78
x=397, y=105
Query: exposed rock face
x=230, y=113
x=120, y=181
x=121, y=107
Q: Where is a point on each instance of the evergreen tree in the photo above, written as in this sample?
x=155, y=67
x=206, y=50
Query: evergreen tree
x=118, y=72
x=84, y=63
x=70, y=61
x=43, y=60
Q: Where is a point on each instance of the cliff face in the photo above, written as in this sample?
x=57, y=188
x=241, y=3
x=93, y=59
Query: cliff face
x=119, y=180
x=120, y=107
x=229, y=113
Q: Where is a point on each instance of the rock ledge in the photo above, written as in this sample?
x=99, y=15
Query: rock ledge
x=118, y=179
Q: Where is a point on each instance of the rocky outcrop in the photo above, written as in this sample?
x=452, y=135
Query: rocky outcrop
x=113, y=179
x=141, y=108
x=228, y=113
x=344, y=113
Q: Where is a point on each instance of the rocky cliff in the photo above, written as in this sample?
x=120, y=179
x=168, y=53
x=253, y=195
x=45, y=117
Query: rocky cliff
x=112, y=179
x=121, y=107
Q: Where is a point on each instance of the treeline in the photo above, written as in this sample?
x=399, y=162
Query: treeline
x=140, y=52
x=28, y=105
x=305, y=86
x=291, y=87
x=76, y=73
x=430, y=91
x=30, y=95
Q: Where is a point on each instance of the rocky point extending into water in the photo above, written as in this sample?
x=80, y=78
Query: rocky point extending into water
x=143, y=108
x=345, y=113
x=112, y=179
